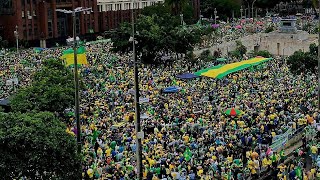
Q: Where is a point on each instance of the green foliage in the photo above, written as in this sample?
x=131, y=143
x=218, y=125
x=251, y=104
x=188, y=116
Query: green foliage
x=266, y=3
x=206, y=56
x=224, y=8
x=239, y=51
x=264, y=53
x=3, y=43
x=156, y=9
x=155, y=35
x=301, y=62
x=36, y=146
x=177, y=6
x=52, y=89
x=241, y=48
x=269, y=29
x=313, y=49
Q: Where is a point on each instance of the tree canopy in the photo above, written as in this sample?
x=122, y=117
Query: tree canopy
x=52, y=89
x=36, y=146
x=302, y=62
x=224, y=8
x=157, y=35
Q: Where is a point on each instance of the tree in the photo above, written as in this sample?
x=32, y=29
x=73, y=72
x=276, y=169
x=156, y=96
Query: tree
x=52, y=89
x=36, y=146
x=264, y=53
x=302, y=62
x=241, y=48
x=313, y=49
x=223, y=7
x=3, y=43
x=177, y=6
x=157, y=35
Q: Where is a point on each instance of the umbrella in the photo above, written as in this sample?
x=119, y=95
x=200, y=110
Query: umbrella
x=215, y=25
x=238, y=26
x=259, y=23
x=232, y=112
x=221, y=59
x=172, y=89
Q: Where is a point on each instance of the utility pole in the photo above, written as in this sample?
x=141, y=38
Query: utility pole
x=319, y=59
x=139, y=134
x=16, y=34
x=76, y=78
x=215, y=16
x=252, y=9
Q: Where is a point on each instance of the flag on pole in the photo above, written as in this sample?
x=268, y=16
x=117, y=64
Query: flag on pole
x=187, y=154
x=68, y=56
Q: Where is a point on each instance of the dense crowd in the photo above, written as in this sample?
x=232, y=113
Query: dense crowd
x=188, y=135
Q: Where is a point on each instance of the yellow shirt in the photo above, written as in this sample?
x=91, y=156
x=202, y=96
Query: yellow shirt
x=314, y=149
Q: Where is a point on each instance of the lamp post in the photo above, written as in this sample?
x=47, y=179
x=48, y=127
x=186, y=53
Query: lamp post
x=215, y=16
x=76, y=78
x=252, y=9
x=241, y=10
x=181, y=19
x=16, y=34
x=245, y=13
x=139, y=134
x=319, y=61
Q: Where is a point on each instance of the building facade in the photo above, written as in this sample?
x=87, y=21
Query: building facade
x=38, y=20
x=114, y=12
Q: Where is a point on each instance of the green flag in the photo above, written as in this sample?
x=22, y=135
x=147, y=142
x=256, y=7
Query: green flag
x=187, y=154
x=299, y=172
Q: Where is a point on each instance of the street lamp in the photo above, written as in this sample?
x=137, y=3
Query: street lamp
x=16, y=34
x=252, y=9
x=76, y=78
x=319, y=61
x=215, y=16
x=241, y=10
x=181, y=19
x=139, y=133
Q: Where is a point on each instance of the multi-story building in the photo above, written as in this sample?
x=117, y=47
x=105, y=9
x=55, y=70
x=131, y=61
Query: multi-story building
x=38, y=19
x=115, y=12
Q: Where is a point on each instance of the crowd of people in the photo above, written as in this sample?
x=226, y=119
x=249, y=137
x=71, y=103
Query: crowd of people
x=187, y=134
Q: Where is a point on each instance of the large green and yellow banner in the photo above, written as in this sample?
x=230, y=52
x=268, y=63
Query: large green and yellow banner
x=223, y=70
x=68, y=56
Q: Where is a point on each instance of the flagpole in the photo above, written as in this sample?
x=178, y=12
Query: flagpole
x=137, y=106
x=76, y=82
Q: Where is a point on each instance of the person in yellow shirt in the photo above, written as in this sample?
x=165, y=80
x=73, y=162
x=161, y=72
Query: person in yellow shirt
x=314, y=152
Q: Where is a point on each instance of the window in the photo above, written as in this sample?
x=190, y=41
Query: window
x=144, y=4
x=34, y=13
x=30, y=32
x=22, y=3
x=50, y=34
x=24, y=33
x=127, y=6
x=28, y=13
x=50, y=14
x=22, y=14
x=118, y=7
x=136, y=5
x=109, y=7
x=35, y=31
x=100, y=8
x=7, y=4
